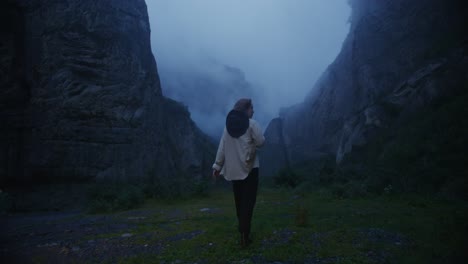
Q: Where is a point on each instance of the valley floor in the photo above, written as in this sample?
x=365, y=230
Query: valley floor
x=287, y=228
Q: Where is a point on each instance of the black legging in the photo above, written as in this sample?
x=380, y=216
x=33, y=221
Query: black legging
x=245, y=196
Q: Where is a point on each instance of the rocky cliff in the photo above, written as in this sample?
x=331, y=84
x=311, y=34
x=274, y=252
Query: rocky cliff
x=80, y=96
x=399, y=58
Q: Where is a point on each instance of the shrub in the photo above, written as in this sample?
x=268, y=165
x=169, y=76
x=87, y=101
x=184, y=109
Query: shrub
x=355, y=189
x=167, y=188
x=352, y=189
x=114, y=197
x=201, y=187
x=337, y=190
x=287, y=178
x=174, y=188
x=183, y=185
x=302, y=216
x=305, y=188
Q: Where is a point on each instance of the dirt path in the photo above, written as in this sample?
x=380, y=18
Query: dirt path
x=61, y=237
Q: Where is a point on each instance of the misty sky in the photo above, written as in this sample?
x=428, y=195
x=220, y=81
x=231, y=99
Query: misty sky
x=282, y=46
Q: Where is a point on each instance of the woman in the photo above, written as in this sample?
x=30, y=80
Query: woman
x=237, y=161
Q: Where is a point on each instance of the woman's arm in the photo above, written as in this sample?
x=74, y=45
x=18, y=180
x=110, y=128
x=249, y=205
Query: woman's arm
x=257, y=134
x=219, y=161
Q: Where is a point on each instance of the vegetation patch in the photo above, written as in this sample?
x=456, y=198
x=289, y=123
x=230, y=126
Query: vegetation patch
x=109, y=198
x=287, y=227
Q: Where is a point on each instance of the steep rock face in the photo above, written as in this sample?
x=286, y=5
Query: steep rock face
x=275, y=150
x=81, y=98
x=398, y=57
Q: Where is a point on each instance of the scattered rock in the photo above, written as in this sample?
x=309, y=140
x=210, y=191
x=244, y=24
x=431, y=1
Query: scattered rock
x=186, y=235
x=127, y=235
x=377, y=235
x=211, y=210
x=136, y=218
x=48, y=245
x=279, y=237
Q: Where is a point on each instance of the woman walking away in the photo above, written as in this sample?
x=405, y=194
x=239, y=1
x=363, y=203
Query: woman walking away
x=237, y=161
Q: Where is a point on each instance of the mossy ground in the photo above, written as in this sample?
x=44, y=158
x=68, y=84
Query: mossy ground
x=287, y=227
x=315, y=227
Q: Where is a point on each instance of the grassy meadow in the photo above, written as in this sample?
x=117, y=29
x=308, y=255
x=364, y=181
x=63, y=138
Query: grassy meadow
x=296, y=228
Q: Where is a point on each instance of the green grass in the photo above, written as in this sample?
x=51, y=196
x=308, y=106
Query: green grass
x=408, y=229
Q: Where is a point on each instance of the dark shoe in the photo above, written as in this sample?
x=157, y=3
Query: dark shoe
x=245, y=240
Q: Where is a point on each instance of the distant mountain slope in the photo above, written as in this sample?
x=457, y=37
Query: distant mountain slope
x=210, y=92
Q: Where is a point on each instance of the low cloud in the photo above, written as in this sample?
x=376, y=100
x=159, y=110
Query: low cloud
x=276, y=50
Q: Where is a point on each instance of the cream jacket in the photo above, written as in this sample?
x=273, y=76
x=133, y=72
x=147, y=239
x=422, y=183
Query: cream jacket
x=236, y=157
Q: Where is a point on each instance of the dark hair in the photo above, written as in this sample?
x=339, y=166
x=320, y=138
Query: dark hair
x=243, y=104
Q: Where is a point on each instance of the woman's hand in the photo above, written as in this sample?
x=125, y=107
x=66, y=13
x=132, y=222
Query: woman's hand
x=215, y=174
